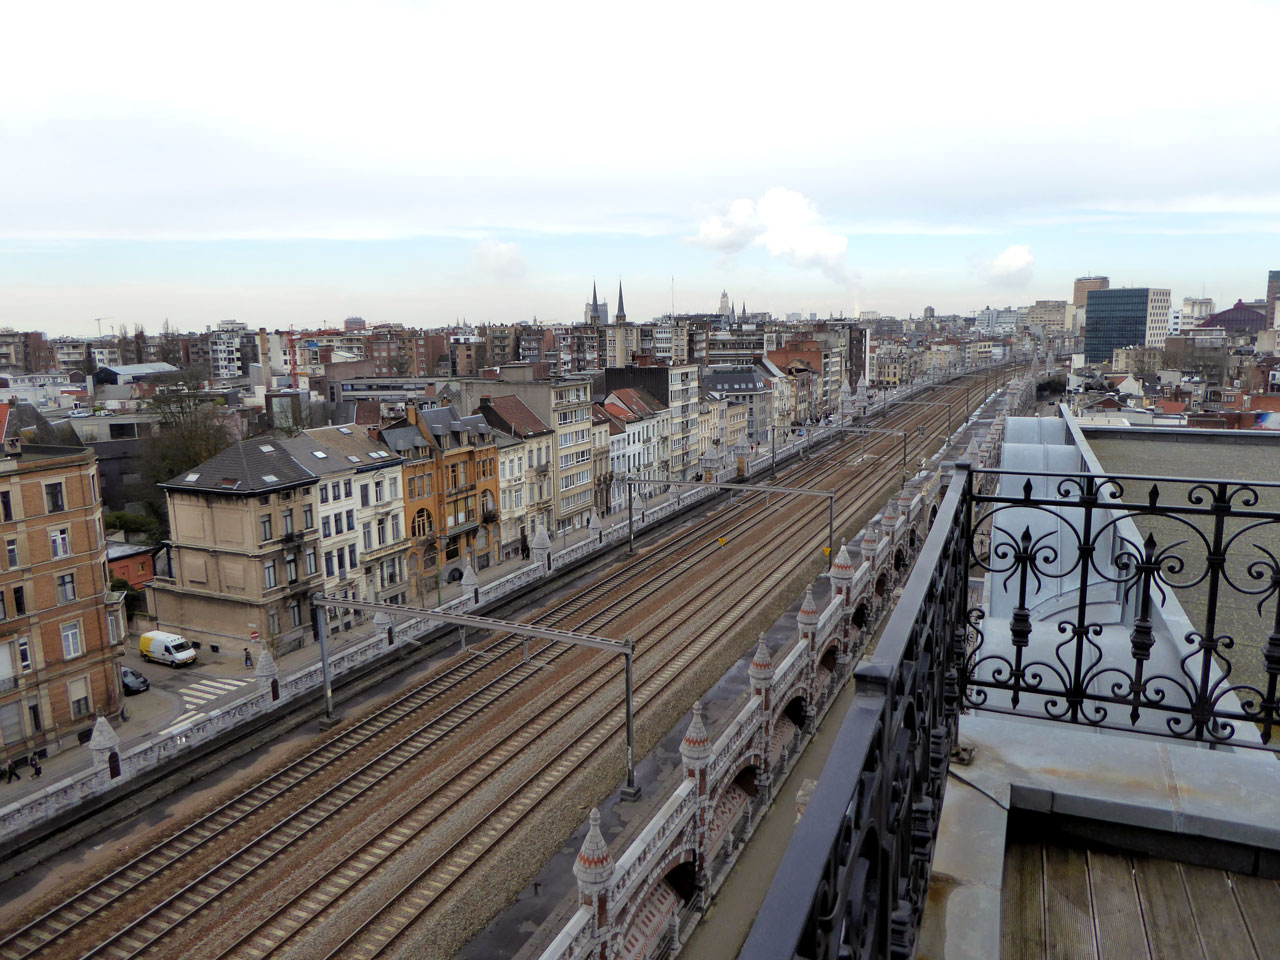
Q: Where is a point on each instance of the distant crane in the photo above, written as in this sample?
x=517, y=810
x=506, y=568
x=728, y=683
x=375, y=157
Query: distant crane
x=98, y=321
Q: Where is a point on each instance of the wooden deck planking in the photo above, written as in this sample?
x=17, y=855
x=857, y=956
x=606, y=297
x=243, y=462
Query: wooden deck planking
x=1117, y=915
x=1067, y=903
x=1068, y=910
x=1259, y=902
x=1022, y=903
x=1216, y=912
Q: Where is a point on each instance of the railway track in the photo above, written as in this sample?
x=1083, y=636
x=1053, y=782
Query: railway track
x=489, y=678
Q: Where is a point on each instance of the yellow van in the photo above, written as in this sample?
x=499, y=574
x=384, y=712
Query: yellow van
x=157, y=646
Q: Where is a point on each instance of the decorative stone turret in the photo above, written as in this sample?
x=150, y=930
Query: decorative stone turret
x=593, y=869
x=540, y=549
x=595, y=526
x=695, y=748
x=842, y=570
x=807, y=619
x=383, y=624
x=871, y=539
x=761, y=669
x=470, y=586
x=103, y=742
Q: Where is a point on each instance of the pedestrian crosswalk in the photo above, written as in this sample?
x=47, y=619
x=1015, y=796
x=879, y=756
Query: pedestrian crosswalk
x=201, y=692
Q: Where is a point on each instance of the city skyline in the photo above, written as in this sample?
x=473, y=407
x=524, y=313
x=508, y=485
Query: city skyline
x=418, y=164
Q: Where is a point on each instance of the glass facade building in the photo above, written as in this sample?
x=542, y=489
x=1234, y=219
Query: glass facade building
x=1115, y=318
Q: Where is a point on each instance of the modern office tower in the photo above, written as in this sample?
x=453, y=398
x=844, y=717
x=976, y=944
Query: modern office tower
x=1124, y=317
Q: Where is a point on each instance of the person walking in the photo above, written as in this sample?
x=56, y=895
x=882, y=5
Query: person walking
x=248, y=660
x=13, y=771
x=36, y=769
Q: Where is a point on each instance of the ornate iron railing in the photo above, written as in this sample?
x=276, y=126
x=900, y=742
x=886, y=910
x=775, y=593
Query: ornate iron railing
x=1095, y=572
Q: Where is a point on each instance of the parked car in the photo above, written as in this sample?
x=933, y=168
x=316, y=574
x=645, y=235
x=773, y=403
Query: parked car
x=133, y=682
x=81, y=413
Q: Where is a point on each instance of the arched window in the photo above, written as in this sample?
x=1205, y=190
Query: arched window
x=422, y=526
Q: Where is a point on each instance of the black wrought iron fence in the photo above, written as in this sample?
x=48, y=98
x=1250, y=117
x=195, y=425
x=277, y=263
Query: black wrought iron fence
x=1133, y=602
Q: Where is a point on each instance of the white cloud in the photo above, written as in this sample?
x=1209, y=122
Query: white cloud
x=787, y=225
x=503, y=261
x=1012, y=267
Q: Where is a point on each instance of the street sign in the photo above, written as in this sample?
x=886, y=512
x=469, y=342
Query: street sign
x=253, y=634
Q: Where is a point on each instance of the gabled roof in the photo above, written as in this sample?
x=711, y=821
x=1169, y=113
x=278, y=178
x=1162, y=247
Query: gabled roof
x=513, y=416
x=638, y=400
x=446, y=424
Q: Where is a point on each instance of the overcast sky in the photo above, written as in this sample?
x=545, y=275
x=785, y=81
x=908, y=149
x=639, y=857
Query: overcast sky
x=298, y=163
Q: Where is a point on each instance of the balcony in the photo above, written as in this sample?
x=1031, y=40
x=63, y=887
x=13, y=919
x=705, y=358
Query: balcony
x=1075, y=699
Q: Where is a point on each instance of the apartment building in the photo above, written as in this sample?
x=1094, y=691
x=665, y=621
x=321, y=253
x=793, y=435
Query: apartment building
x=646, y=451
x=601, y=470
x=511, y=417
x=451, y=494
x=713, y=431
x=243, y=550
x=61, y=629
x=677, y=388
x=360, y=509
x=746, y=384
x=564, y=404
x=512, y=503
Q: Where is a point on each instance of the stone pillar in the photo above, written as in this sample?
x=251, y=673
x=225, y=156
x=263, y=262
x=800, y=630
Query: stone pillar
x=540, y=549
x=695, y=751
x=103, y=743
x=761, y=673
x=593, y=869
x=470, y=587
x=842, y=576
x=267, y=673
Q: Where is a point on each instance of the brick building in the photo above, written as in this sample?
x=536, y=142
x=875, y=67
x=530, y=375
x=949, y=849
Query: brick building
x=61, y=629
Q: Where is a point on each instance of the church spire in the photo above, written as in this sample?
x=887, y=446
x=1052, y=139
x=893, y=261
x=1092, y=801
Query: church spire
x=620, y=314
x=595, y=304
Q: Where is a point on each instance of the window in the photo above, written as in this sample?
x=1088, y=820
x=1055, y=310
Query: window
x=351, y=520
x=72, y=643
x=337, y=490
x=11, y=550
x=78, y=695
x=264, y=524
x=337, y=523
x=311, y=562
x=367, y=531
x=291, y=568
x=66, y=587
x=382, y=530
x=341, y=556
x=295, y=613
x=326, y=529
x=93, y=485
x=377, y=491
x=308, y=520
x=393, y=488
x=288, y=522
x=6, y=506
x=53, y=499
x=328, y=563
x=269, y=574
x=346, y=488
x=19, y=601
x=324, y=493
x=364, y=494
x=395, y=526
x=351, y=554
x=24, y=654
x=421, y=523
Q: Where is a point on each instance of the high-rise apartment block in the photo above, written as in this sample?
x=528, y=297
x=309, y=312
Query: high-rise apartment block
x=1273, y=294
x=1080, y=292
x=1124, y=317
